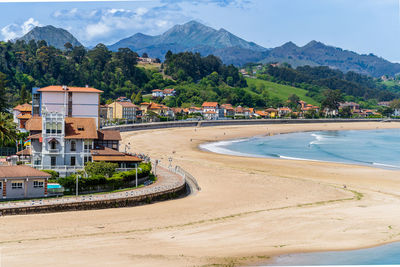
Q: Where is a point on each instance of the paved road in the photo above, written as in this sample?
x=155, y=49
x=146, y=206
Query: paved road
x=167, y=180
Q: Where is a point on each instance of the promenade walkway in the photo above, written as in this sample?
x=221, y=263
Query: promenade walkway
x=168, y=181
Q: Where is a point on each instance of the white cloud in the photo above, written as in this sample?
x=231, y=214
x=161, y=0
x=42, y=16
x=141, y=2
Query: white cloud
x=13, y=31
x=109, y=25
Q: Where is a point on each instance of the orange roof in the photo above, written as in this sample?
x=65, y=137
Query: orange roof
x=227, y=106
x=210, y=104
x=105, y=151
x=127, y=104
x=21, y=171
x=122, y=158
x=25, y=152
x=156, y=90
x=35, y=136
x=145, y=103
x=80, y=128
x=109, y=135
x=34, y=124
x=285, y=109
x=24, y=116
x=59, y=88
x=210, y=112
x=169, y=91
x=24, y=107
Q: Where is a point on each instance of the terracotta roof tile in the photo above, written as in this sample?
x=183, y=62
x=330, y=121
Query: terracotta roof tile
x=26, y=152
x=24, y=107
x=21, y=171
x=34, y=124
x=123, y=158
x=109, y=135
x=24, y=116
x=80, y=128
x=210, y=104
x=59, y=88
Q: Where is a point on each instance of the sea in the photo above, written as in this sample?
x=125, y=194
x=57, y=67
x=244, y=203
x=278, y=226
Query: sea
x=377, y=148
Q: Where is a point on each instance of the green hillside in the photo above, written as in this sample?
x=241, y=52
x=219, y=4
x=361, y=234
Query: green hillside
x=281, y=91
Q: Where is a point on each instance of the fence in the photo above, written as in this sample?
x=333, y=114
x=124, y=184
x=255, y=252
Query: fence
x=187, y=176
x=8, y=151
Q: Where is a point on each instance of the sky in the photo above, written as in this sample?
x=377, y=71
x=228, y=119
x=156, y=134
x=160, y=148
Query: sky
x=363, y=26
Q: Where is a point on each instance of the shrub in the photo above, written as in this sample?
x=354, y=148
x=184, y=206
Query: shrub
x=100, y=168
x=54, y=174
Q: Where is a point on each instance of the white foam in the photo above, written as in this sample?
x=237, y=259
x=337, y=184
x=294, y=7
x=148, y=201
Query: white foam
x=220, y=148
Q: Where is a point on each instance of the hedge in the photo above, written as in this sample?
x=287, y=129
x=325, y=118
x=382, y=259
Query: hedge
x=100, y=182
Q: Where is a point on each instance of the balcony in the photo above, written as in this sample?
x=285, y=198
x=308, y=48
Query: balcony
x=54, y=151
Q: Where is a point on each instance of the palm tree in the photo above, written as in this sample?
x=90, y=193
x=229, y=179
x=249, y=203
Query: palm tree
x=8, y=130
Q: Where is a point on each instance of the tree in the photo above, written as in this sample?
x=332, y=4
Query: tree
x=144, y=55
x=345, y=112
x=332, y=100
x=100, y=168
x=294, y=101
x=3, y=101
x=133, y=97
x=23, y=94
x=8, y=130
x=138, y=98
x=387, y=111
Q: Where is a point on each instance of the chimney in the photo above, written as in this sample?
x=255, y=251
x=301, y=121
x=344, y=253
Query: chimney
x=87, y=86
x=64, y=87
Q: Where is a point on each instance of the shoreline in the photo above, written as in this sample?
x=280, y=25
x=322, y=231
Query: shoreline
x=249, y=210
x=218, y=148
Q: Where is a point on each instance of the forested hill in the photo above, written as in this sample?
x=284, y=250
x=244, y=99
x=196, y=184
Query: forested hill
x=316, y=79
x=318, y=54
x=56, y=37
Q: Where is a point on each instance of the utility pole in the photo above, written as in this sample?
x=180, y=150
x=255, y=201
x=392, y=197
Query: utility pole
x=77, y=183
x=136, y=175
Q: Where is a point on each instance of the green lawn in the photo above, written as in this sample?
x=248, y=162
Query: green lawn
x=282, y=91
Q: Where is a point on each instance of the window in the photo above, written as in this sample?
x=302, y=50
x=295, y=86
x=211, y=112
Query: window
x=38, y=184
x=53, y=161
x=59, y=129
x=73, y=146
x=16, y=185
x=1, y=185
x=53, y=127
x=53, y=145
x=69, y=104
x=73, y=159
x=48, y=127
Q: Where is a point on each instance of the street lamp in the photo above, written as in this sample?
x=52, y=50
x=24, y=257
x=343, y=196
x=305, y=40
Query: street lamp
x=170, y=162
x=77, y=183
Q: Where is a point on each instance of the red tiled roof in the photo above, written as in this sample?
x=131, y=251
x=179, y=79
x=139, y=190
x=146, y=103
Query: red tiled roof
x=24, y=107
x=24, y=116
x=21, y=171
x=73, y=126
x=34, y=124
x=156, y=90
x=109, y=135
x=25, y=152
x=210, y=104
x=127, y=104
x=59, y=88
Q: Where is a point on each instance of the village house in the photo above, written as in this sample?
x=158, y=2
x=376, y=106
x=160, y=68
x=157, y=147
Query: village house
x=22, y=181
x=229, y=111
x=196, y=110
x=212, y=111
x=272, y=113
x=60, y=139
x=353, y=106
x=21, y=114
x=125, y=110
x=157, y=93
x=284, y=111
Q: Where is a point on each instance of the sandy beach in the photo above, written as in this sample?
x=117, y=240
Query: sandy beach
x=248, y=211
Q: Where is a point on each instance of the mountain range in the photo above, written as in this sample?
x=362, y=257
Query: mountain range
x=53, y=36
x=196, y=37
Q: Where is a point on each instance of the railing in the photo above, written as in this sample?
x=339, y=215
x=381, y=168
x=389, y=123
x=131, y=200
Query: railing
x=54, y=151
x=187, y=176
x=59, y=168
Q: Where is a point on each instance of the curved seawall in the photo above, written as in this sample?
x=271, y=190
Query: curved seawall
x=210, y=123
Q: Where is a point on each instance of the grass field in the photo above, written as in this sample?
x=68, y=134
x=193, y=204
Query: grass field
x=282, y=91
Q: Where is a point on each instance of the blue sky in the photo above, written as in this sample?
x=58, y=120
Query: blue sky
x=364, y=26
